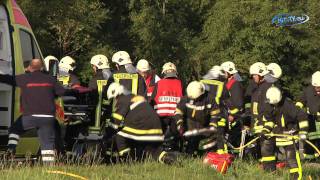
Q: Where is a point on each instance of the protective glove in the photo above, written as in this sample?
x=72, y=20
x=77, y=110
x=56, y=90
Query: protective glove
x=303, y=137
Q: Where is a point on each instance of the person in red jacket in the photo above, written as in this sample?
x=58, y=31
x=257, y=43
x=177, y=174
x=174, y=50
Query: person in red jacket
x=167, y=93
x=148, y=75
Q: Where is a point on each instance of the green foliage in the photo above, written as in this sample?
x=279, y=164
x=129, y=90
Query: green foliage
x=242, y=32
x=193, y=34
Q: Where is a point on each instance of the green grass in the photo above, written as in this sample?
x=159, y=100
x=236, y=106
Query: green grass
x=189, y=169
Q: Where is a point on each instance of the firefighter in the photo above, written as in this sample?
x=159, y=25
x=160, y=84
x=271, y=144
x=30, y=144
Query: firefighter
x=101, y=68
x=235, y=103
x=149, y=76
x=99, y=84
x=138, y=127
x=38, y=91
x=259, y=125
x=269, y=77
x=213, y=80
x=167, y=93
x=288, y=120
x=66, y=76
x=310, y=101
x=196, y=112
x=126, y=74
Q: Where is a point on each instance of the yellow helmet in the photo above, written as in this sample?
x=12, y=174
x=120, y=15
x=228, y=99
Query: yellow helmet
x=100, y=61
x=273, y=95
x=258, y=68
x=315, y=80
x=114, y=90
x=195, y=89
x=274, y=70
x=67, y=63
x=169, y=66
x=229, y=67
x=143, y=65
x=121, y=58
x=48, y=59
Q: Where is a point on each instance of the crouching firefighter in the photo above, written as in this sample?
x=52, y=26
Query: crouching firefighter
x=38, y=92
x=310, y=101
x=204, y=128
x=138, y=127
x=288, y=120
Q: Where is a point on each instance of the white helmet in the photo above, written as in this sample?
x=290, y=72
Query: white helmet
x=143, y=65
x=195, y=89
x=214, y=73
x=169, y=66
x=258, y=68
x=48, y=59
x=67, y=63
x=229, y=67
x=273, y=95
x=100, y=61
x=274, y=70
x=114, y=90
x=315, y=80
x=121, y=58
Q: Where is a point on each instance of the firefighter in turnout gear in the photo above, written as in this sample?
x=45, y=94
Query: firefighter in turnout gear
x=166, y=95
x=235, y=103
x=99, y=84
x=138, y=126
x=197, y=113
x=217, y=88
x=269, y=77
x=289, y=120
x=259, y=124
x=66, y=76
x=310, y=102
x=149, y=76
x=126, y=74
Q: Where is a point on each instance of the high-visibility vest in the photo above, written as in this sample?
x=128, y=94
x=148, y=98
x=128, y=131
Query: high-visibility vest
x=218, y=84
x=127, y=76
x=64, y=80
x=169, y=93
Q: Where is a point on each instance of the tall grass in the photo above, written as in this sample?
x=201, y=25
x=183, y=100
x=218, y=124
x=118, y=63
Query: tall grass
x=187, y=169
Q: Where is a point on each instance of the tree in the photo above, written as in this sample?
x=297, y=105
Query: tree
x=242, y=32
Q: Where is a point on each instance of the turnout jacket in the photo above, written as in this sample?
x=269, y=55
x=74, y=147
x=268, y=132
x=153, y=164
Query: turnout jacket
x=70, y=81
x=131, y=81
x=286, y=117
x=217, y=90
x=258, y=106
x=199, y=113
x=136, y=119
x=235, y=102
x=38, y=92
x=310, y=100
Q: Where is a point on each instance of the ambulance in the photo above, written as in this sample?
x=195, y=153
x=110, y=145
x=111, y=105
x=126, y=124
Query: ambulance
x=18, y=46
